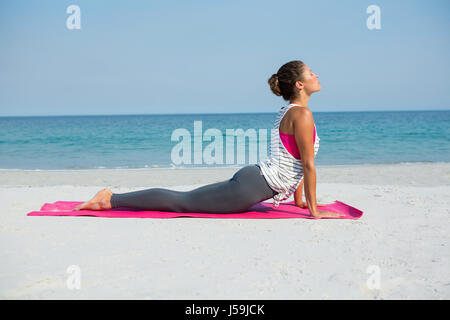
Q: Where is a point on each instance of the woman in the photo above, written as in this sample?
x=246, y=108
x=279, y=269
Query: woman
x=277, y=177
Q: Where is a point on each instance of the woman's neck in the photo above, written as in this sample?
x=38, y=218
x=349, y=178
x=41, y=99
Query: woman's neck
x=302, y=100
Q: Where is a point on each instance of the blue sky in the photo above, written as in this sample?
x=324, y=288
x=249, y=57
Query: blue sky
x=153, y=57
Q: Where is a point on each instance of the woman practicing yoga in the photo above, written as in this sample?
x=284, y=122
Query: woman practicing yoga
x=294, y=145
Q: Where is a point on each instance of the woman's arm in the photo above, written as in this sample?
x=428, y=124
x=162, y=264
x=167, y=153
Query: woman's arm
x=298, y=197
x=303, y=131
x=298, y=194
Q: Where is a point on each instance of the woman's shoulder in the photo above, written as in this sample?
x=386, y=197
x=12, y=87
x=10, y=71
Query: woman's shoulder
x=301, y=114
x=300, y=110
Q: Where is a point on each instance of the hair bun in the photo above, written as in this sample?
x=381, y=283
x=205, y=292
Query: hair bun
x=274, y=84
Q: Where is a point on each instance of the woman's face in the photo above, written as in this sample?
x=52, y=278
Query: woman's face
x=310, y=81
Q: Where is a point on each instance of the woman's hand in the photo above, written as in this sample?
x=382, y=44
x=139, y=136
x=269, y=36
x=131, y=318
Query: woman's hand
x=304, y=205
x=327, y=214
x=321, y=213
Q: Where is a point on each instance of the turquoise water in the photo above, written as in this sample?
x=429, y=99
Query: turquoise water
x=144, y=141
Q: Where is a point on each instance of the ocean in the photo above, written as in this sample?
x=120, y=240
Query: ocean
x=181, y=140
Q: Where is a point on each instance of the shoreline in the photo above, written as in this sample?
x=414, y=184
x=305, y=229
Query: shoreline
x=410, y=174
x=223, y=167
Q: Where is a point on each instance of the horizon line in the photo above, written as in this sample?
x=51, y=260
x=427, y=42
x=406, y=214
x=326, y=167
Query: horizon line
x=202, y=113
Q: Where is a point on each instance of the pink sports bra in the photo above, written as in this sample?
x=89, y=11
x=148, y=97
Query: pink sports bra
x=290, y=144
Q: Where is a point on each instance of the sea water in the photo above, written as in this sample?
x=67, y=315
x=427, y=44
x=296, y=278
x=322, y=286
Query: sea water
x=147, y=141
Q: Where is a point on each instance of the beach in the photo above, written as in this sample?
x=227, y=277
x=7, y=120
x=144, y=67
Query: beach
x=399, y=248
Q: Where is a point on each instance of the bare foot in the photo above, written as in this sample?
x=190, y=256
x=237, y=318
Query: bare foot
x=101, y=201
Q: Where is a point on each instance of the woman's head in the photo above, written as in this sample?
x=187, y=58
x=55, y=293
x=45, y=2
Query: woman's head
x=293, y=78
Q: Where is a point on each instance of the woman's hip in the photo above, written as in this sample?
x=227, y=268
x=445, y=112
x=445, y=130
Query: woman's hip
x=252, y=181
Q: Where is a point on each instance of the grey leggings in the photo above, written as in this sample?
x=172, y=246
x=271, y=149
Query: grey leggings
x=246, y=188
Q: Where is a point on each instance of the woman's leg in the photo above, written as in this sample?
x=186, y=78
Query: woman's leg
x=246, y=188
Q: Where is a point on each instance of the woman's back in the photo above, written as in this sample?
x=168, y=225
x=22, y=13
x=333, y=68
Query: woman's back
x=282, y=170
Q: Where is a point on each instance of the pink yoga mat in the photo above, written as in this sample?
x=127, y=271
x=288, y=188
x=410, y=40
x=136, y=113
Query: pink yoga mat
x=261, y=210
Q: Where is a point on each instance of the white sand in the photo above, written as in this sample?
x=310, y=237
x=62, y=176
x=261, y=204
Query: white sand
x=404, y=233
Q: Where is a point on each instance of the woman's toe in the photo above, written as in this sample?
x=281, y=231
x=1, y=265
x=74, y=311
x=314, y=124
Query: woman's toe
x=81, y=206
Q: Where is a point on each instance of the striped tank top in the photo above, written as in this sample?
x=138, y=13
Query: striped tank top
x=282, y=170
